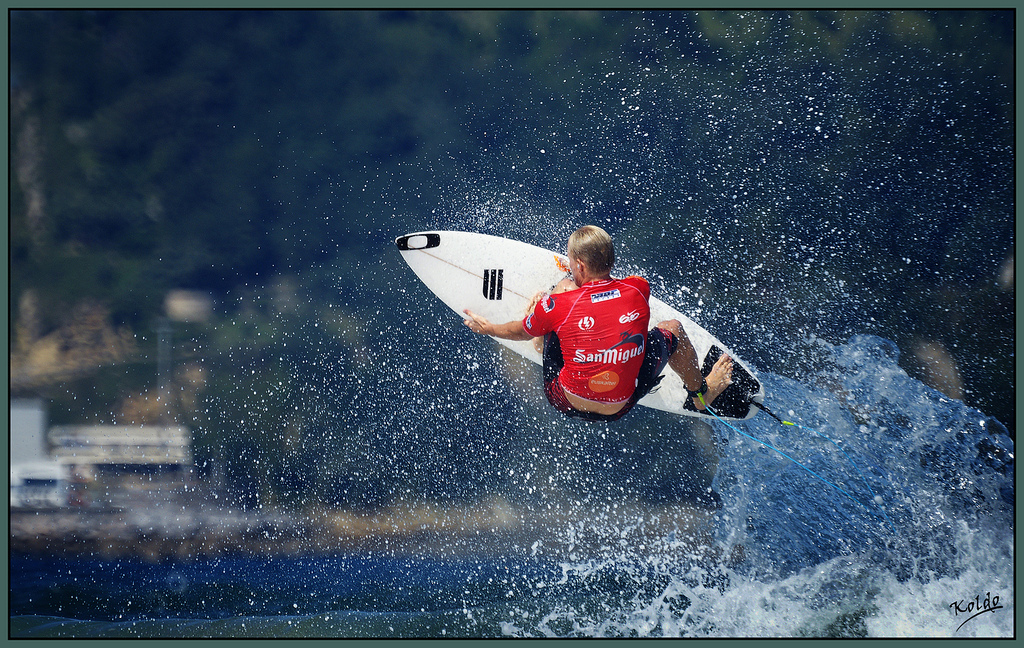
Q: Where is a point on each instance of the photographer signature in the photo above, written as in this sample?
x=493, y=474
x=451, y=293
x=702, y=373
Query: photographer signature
x=975, y=607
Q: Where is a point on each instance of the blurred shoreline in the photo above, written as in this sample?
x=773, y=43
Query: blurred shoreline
x=492, y=526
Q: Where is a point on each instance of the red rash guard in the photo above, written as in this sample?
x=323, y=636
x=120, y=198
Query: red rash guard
x=602, y=328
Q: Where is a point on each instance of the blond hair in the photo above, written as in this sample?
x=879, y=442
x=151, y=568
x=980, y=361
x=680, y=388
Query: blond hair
x=593, y=246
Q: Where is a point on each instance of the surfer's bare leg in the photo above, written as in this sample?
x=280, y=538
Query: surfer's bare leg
x=684, y=362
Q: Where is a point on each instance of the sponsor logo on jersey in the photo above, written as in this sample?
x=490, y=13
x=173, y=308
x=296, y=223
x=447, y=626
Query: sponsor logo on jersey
x=605, y=296
x=615, y=355
x=631, y=316
x=548, y=303
x=586, y=323
x=604, y=381
x=639, y=339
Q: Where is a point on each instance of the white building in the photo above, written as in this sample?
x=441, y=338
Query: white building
x=101, y=464
x=41, y=484
x=36, y=480
x=89, y=449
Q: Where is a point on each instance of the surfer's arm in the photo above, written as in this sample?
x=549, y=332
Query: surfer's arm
x=508, y=331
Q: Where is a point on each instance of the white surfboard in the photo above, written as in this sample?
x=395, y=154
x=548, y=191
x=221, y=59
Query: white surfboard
x=497, y=277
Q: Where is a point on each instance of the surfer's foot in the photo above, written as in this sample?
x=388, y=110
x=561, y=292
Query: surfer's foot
x=719, y=379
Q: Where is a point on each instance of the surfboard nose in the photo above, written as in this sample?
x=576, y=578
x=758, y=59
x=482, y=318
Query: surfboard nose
x=422, y=241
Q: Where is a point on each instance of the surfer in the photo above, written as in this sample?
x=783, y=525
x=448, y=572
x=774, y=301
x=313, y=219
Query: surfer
x=599, y=356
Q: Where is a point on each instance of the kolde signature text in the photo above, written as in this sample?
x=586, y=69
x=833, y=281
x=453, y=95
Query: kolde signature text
x=975, y=607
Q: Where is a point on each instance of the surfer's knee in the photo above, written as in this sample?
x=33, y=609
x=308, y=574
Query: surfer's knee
x=675, y=327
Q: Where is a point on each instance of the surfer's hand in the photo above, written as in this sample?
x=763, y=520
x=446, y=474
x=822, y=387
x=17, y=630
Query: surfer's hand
x=508, y=331
x=477, y=323
x=533, y=302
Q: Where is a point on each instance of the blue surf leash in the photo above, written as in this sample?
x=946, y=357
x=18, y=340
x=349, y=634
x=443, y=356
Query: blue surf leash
x=765, y=409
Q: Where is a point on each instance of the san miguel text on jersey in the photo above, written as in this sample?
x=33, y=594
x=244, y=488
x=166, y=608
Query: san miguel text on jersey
x=602, y=330
x=614, y=355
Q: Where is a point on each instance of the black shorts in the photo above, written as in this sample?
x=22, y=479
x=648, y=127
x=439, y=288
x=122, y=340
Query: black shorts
x=660, y=345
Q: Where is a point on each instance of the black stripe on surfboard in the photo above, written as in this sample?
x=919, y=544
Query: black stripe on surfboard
x=493, y=283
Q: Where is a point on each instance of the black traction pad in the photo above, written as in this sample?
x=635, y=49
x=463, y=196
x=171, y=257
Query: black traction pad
x=736, y=400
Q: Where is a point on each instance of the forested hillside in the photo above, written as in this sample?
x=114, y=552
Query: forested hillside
x=783, y=163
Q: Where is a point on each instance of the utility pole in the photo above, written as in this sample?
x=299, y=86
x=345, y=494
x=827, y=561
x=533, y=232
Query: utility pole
x=163, y=363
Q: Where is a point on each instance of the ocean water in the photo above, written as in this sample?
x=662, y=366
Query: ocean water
x=897, y=523
x=775, y=187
